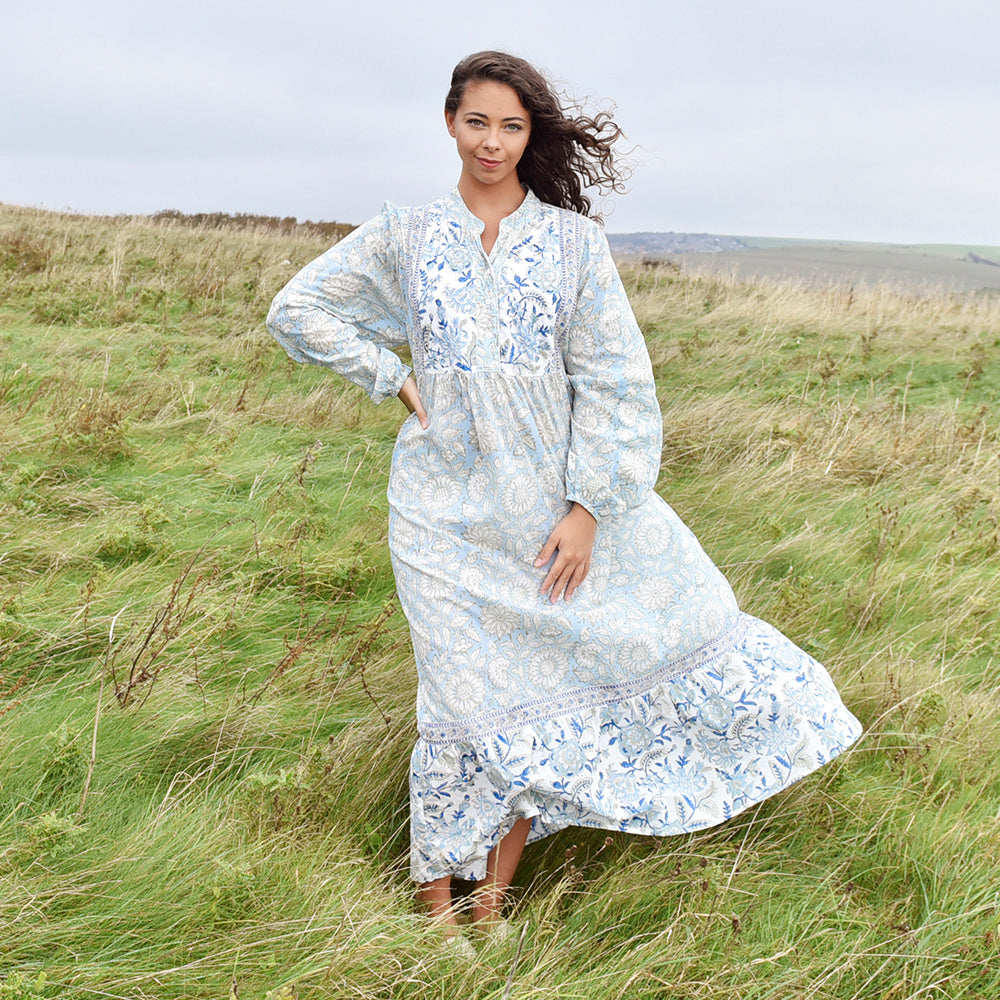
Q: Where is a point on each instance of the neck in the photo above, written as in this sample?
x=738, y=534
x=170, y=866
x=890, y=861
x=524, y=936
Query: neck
x=491, y=201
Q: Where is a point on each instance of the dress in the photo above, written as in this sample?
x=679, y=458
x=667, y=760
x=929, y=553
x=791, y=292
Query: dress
x=649, y=703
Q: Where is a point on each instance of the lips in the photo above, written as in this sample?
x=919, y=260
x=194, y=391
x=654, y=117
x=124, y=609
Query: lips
x=489, y=164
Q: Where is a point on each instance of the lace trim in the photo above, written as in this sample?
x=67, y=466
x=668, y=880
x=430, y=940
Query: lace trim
x=419, y=223
x=591, y=697
x=571, y=250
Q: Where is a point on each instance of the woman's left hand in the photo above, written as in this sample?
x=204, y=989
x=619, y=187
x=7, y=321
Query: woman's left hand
x=572, y=541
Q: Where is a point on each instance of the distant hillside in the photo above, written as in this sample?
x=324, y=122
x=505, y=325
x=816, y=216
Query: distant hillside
x=837, y=262
x=974, y=258
x=672, y=243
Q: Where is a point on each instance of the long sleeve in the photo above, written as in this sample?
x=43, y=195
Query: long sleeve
x=616, y=428
x=346, y=310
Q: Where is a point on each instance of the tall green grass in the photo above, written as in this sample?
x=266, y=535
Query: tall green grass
x=206, y=684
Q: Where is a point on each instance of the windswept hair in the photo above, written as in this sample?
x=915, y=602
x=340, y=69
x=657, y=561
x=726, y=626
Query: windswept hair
x=565, y=153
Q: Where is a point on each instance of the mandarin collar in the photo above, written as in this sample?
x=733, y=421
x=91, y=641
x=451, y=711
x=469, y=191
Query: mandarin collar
x=474, y=226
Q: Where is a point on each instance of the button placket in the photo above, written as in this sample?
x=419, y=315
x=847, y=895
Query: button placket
x=494, y=315
x=486, y=353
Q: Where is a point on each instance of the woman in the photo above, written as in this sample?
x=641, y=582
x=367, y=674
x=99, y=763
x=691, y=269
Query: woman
x=580, y=659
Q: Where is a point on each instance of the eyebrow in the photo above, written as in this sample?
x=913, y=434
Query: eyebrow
x=509, y=118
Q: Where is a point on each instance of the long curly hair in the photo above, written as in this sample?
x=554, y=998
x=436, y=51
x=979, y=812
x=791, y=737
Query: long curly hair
x=566, y=152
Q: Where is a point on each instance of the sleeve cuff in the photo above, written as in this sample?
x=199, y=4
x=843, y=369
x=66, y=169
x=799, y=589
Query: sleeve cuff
x=588, y=505
x=389, y=378
x=598, y=511
x=610, y=503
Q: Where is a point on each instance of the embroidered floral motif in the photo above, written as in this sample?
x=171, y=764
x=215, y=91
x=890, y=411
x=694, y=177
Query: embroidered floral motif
x=647, y=703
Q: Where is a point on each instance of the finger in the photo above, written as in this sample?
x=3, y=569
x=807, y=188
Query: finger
x=418, y=409
x=559, y=591
x=557, y=571
x=576, y=573
x=579, y=575
x=546, y=554
x=562, y=582
x=550, y=579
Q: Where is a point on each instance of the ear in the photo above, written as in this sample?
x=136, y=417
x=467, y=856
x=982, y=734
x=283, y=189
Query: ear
x=449, y=120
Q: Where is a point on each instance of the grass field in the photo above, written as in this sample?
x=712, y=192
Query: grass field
x=206, y=685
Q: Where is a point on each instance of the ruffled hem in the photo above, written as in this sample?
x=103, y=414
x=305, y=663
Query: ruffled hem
x=689, y=752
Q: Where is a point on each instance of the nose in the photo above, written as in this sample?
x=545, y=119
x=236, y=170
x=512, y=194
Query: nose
x=492, y=139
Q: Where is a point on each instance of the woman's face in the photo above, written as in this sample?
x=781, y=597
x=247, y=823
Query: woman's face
x=491, y=129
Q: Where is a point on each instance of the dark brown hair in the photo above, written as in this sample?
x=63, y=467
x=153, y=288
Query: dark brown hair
x=565, y=153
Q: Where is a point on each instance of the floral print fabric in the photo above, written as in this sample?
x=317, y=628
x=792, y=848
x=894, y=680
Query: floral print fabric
x=649, y=702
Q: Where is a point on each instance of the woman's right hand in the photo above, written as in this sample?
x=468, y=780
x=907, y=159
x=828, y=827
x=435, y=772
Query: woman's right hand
x=411, y=400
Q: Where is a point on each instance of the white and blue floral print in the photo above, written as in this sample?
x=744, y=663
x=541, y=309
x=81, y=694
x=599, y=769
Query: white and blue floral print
x=649, y=703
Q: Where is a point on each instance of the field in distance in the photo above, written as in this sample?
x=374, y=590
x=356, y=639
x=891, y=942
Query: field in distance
x=945, y=267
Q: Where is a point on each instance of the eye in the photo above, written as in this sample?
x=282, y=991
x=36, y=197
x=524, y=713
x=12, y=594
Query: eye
x=513, y=127
x=475, y=122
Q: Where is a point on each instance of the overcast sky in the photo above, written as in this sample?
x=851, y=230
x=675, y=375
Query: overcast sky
x=851, y=120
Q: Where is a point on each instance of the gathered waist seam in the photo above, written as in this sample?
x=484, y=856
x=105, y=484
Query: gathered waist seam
x=502, y=368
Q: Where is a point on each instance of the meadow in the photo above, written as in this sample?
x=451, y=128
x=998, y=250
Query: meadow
x=206, y=684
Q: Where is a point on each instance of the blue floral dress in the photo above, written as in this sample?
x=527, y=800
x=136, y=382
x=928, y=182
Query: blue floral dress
x=649, y=703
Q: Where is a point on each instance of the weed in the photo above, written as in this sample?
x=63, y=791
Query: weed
x=63, y=762
x=23, y=986
x=24, y=251
x=98, y=425
x=145, y=646
x=305, y=796
x=50, y=834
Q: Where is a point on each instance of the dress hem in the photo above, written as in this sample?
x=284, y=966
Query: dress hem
x=474, y=872
x=685, y=754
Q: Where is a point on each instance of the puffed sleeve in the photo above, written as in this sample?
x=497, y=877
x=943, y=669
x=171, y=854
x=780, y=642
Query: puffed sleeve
x=616, y=429
x=346, y=309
